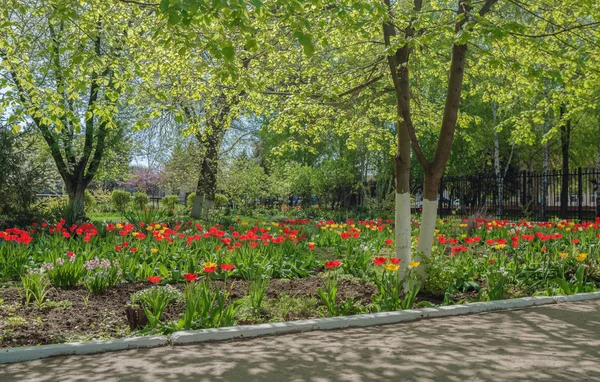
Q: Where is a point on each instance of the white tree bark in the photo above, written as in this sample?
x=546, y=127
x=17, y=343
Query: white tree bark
x=428, y=220
x=403, y=232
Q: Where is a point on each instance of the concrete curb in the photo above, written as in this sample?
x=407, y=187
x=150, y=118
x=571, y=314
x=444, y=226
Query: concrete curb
x=12, y=355
x=29, y=353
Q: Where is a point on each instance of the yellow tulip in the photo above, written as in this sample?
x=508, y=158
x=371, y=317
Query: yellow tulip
x=391, y=267
x=414, y=264
x=581, y=256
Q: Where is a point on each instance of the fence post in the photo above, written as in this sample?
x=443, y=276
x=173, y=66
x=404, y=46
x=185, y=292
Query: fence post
x=579, y=194
x=524, y=190
x=440, y=197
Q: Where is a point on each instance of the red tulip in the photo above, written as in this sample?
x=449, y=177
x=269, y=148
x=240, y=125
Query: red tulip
x=379, y=260
x=154, y=279
x=227, y=267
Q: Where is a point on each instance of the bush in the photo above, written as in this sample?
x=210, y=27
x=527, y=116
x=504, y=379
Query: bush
x=140, y=200
x=120, y=200
x=88, y=200
x=170, y=201
x=190, y=200
x=221, y=200
x=103, y=201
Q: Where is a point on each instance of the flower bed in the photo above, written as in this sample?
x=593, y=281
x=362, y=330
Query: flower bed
x=77, y=282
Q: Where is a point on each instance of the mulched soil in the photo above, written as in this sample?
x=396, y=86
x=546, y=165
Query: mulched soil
x=103, y=316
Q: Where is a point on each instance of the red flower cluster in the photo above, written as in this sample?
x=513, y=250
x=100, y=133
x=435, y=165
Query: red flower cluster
x=16, y=235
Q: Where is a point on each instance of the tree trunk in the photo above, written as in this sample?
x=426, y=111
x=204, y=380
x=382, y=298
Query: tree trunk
x=207, y=183
x=75, y=212
x=565, y=137
x=402, y=212
x=431, y=185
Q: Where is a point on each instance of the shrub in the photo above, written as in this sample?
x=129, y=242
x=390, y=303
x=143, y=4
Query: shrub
x=120, y=200
x=221, y=200
x=89, y=201
x=140, y=200
x=190, y=200
x=103, y=200
x=170, y=201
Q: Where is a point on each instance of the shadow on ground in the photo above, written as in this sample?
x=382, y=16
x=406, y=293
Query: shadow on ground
x=552, y=343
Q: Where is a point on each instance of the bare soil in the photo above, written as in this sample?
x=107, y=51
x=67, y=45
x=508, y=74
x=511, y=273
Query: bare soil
x=76, y=315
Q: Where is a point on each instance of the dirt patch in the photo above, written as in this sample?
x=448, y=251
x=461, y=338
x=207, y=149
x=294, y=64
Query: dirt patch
x=307, y=287
x=77, y=315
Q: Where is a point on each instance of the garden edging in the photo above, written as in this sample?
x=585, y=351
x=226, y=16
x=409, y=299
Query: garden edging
x=12, y=355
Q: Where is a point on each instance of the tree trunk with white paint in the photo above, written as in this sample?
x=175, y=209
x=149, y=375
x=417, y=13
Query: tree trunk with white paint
x=402, y=213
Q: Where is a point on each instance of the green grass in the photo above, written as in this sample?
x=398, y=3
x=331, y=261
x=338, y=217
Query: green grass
x=100, y=217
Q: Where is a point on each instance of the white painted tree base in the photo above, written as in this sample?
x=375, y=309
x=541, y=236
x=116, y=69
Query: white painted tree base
x=403, y=231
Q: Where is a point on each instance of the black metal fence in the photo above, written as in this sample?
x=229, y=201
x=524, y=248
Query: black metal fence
x=528, y=194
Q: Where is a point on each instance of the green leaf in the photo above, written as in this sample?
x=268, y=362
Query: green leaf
x=306, y=41
x=174, y=17
x=252, y=45
x=164, y=5
x=228, y=52
x=16, y=128
x=163, y=271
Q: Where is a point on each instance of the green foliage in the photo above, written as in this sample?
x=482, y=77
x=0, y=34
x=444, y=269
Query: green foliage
x=391, y=289
x=190, y=200
x=330, y=293
x=23, y=174
x=220, y=200
x=170, y=201
x=155, y=300
x=256, y=292
x=35, y=288
x=207, y=307
x=140, y=200
x=65, y=273
x=89, y=200
x=120, y=200
x=101, y=274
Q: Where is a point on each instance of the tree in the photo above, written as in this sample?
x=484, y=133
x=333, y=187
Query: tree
x=67, y=66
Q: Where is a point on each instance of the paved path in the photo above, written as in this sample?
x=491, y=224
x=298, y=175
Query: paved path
x=550, y=343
